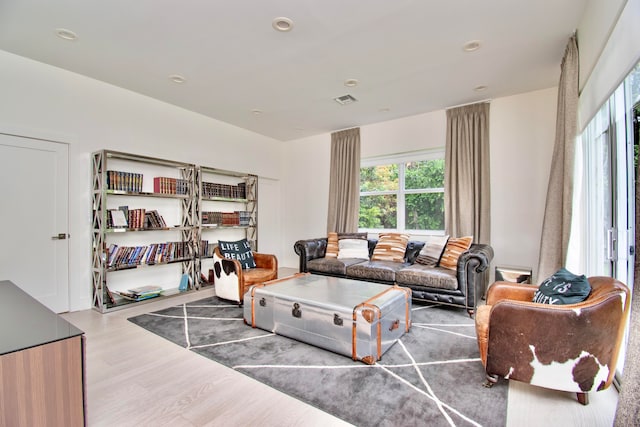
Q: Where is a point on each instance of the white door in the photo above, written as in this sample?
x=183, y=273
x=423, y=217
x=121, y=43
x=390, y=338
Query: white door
x=34, y=253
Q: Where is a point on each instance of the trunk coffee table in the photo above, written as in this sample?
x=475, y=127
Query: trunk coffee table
x=358, y=319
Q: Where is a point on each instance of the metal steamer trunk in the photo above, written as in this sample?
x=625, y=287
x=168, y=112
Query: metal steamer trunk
x=358, y=319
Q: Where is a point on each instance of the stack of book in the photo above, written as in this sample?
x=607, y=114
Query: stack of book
x=141, y=293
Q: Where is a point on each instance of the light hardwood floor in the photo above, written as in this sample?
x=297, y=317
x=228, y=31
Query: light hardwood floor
x=135, y=378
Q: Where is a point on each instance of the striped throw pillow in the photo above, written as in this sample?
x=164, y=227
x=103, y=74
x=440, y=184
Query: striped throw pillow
x=432, y=250
x=332, y=246
x=453, y=250
x=390, y=247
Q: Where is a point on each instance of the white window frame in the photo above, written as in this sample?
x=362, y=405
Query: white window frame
x=401, y=159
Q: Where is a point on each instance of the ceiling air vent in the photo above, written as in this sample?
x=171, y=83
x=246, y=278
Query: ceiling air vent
x=345, y=99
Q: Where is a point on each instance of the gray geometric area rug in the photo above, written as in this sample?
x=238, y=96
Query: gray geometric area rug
x=431, y=377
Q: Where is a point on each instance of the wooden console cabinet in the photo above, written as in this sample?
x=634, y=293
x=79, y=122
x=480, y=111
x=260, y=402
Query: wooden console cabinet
x=41, y=364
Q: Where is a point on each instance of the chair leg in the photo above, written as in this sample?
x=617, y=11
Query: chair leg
x=583, y=398
x=490, y=381
x=470, y=313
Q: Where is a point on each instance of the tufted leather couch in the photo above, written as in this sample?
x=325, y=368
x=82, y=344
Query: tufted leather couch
x=460, y=288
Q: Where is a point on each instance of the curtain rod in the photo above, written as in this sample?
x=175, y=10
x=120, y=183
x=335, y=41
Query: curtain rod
x=470, y=103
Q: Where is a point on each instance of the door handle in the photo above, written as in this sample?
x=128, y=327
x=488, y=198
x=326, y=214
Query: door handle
x=60, y=236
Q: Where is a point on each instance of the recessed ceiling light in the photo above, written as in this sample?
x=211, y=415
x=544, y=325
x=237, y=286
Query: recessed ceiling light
x=256, y=112
x=472, y=46
x=351, y=82
x=385, y=110
x=177, y=78
x=480, y=88
x=282, y=24
x=65, y=34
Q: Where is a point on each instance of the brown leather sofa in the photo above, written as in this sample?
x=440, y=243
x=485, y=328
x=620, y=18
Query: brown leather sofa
x=571, y=347
x=462, y=287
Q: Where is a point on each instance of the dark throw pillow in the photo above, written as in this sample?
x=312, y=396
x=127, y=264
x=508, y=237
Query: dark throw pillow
x=240, y=250
x=563, y=287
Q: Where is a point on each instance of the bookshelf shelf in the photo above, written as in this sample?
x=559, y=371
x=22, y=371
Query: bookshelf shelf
x=155, y=264
x=147, y=194
x=129, y=230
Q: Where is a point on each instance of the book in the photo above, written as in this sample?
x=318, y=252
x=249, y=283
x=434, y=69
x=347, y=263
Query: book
x=118, y=219
x=141, y=293
x=184, y=283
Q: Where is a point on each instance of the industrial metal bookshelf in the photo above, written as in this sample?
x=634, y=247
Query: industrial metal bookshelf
x=220, y=189
x=109, y=184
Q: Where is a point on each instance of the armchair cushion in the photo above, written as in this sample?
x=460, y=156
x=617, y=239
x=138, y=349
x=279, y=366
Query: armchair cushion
x=563, y=287
x=240, y=250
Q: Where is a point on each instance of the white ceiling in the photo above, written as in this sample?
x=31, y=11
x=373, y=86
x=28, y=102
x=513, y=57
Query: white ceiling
x=407, y=55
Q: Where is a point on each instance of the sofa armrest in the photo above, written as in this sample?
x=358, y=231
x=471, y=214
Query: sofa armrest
x=310, y=249
x=268, y=261
x=499, y=291
x=473, y=271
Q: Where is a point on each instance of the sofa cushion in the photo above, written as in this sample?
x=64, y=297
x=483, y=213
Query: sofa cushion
x=563, y=287
x=433, y=277
x=432, y=250
x=453, y=250
x=332, y=245
x=331, y=265
x=353, y=248
x=384, y=271
x=390, y=247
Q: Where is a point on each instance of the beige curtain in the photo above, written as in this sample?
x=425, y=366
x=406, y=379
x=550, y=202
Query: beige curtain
x=467, y=198
x=557, y=215
x=344, y=182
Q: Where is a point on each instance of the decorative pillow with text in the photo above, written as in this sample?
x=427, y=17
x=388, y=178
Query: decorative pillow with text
x=240, y=250
x=563, y=287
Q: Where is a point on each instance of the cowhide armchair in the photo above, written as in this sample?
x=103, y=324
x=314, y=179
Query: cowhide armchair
x=231, y=281
x=571, y=347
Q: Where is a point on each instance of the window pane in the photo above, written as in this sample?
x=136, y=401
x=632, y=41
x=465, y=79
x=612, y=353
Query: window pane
x=379, y=178
x=424, y=174
x=378, y=211
x=424, y=211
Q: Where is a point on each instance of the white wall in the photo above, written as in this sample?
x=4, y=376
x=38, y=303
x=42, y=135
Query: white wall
x=595, y=27
x=614, y=53
x=522, y=140
x=43, y=101
x=522, y=130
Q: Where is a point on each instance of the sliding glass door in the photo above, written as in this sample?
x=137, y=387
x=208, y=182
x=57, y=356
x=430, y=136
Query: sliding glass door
x=610, y=145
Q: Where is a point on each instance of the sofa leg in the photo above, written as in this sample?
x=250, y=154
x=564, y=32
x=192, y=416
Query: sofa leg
x=583, y=398
x=490, y=381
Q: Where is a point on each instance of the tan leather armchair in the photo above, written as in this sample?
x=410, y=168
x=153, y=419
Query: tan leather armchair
x=571, y=347
x=231, y=281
